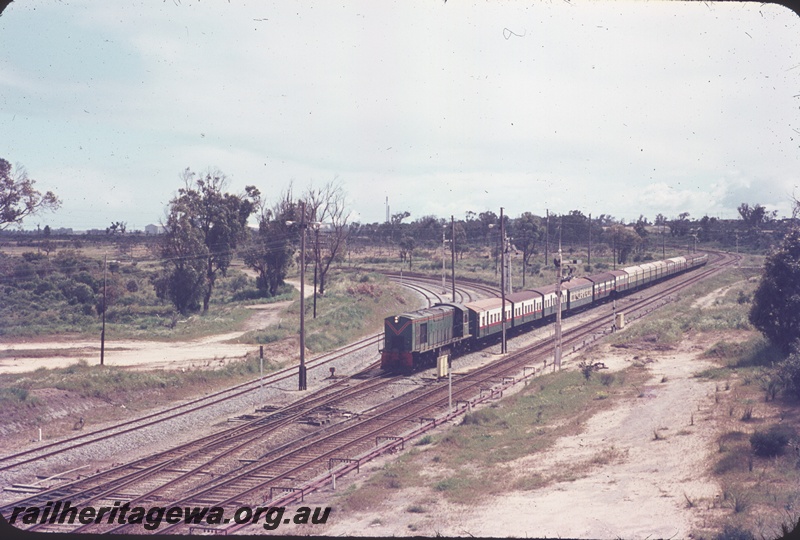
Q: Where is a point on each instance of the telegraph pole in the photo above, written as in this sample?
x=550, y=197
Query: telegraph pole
x=316, y=264
x=103, y=331
x=546, y=238
x=444, y=287
x=503, y=349
x=453, y=253
x=589, y=262
x=557, y=356
x=302, y=371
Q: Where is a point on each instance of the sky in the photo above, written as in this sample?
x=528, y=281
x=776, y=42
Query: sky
x=625, y=108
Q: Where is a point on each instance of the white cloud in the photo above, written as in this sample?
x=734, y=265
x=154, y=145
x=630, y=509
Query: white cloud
x=443, y=107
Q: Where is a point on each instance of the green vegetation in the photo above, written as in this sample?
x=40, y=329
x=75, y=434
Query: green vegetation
x=63, y=294
x=773, y=441
x=354, y=305
x=119, y=384
x=670, y=324
x=776, y=302
x=471, y=460
x=756, y=409
x=203, y=228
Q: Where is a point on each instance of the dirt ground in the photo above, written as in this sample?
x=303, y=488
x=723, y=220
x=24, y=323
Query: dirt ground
x=210, y=351
x=635, y=486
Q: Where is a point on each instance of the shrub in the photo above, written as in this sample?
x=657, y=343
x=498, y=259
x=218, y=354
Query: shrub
x=606, y=379
x=427, y=439
x=734, y=532
x=773, y=441
x=788, y=372
x=479, y=418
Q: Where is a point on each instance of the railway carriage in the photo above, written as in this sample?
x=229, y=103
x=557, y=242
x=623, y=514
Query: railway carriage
x=485, y=316
x=527, y=307
x=669, y=268
x=680, y=264
x=549, y=299
x=604, y=285
x=635, y=276
x=621, y=279
x=660, y=270
x=695, y=260
x=648, y=273
x=579, y=293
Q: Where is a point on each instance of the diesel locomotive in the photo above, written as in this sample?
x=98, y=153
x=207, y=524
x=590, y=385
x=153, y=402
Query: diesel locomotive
x=415, y=339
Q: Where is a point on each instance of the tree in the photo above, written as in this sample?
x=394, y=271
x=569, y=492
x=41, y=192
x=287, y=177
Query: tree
x=776, y=302
x=204, y=227
x=755, y=216
x=680, y=226
x=527, y=233
x=270, y=249
x=406, y=249
x=486, y=219
x=461, y=239
x=18, y=198
x=623, y=240
x=183, y=252
x=641, y=227
x=117, y=227
x=396, y=223
x=708, y=226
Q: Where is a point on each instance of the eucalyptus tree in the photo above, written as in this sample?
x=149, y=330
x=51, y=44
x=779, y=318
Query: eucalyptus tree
x=527, y=234
x=18, y=197
x=203, y=228
x=270, y=249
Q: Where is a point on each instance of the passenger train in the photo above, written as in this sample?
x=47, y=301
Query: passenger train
x=415, y=339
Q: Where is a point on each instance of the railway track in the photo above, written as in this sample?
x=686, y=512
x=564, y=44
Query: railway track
x=52, y=449
x=482, y=384
x=299, y=466
x=169, y=473
x=12, y=461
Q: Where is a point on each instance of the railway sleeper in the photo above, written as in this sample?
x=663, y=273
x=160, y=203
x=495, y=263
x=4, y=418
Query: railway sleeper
x=23, y=488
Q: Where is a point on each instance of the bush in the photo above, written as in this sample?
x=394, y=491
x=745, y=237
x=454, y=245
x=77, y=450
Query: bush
x=772, y=442
x=479, y=418
x=734, y=532
x=788, y=371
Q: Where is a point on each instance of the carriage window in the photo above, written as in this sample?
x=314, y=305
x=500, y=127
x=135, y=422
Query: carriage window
x=423, y=333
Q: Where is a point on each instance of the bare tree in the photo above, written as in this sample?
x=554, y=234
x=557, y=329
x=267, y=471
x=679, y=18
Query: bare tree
x=329, y=214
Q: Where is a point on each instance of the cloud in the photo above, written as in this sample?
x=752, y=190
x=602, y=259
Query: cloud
x=443, y=107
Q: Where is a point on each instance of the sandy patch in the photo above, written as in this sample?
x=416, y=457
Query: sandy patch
x=710, y=299
x=212, y=351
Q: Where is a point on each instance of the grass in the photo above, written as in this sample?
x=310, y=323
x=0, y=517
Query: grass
x=113, y=382
x=759, y=473
x=471, y=460
x=353, y=306
x=670, y=325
